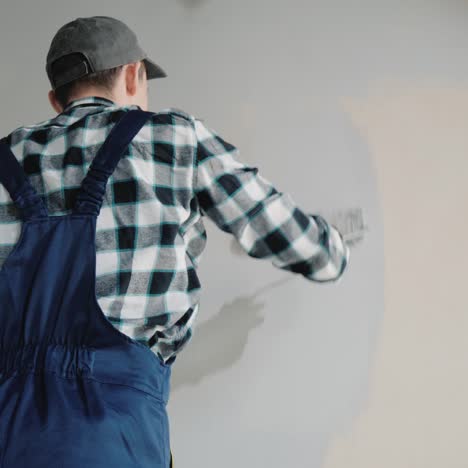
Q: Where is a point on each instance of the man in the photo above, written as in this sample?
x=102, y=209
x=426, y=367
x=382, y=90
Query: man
x=149, y=233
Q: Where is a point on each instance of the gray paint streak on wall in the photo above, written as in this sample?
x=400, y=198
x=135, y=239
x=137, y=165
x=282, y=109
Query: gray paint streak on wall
x=301, y=382
x=277, y=364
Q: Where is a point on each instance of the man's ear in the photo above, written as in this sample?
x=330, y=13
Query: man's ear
x=54, y=103
x=131, y=78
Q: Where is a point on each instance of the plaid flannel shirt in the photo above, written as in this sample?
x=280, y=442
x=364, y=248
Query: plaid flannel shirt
x=150, y=233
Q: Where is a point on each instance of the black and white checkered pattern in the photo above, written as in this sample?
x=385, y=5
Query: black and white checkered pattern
x=150, y=232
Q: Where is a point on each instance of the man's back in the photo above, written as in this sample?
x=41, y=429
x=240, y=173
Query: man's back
x=150, y=233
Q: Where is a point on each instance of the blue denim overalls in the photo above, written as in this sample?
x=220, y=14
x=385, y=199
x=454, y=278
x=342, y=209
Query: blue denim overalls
x=75, y=392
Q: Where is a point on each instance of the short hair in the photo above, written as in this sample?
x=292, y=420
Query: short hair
x=104, y=79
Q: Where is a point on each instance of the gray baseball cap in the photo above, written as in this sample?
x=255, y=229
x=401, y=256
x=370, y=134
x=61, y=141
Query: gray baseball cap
x=101, y=42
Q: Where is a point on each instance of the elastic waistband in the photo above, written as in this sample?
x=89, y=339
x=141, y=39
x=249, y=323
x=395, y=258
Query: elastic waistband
x=131, y=364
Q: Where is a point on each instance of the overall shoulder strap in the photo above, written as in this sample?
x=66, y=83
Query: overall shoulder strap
x=15, y=180
x=92, y=190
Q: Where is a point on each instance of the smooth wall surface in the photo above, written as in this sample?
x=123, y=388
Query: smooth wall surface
x=339, y=104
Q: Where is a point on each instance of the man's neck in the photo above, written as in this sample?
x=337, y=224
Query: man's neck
x=93, y=92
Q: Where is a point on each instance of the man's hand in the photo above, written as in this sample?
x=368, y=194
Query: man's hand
x=349, y=222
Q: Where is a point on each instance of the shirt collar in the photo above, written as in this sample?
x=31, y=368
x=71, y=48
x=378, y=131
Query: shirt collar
x=89, y=101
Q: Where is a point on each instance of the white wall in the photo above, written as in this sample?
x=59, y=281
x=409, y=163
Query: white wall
x=338, y=103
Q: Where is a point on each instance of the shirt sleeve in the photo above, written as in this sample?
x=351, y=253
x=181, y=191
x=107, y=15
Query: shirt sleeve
x=267, y=223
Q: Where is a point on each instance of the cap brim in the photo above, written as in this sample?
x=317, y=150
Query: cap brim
x=153, y=70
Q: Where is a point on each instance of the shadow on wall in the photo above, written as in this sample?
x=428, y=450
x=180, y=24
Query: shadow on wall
x=228, y=330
